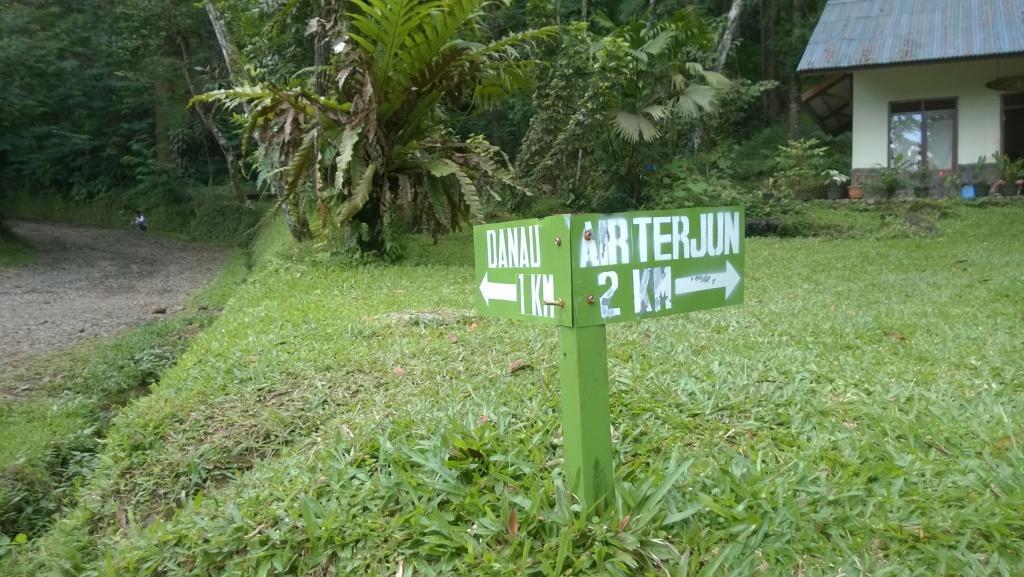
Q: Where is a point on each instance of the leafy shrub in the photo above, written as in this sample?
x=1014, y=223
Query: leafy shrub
x=682, y=185
x=798, y=166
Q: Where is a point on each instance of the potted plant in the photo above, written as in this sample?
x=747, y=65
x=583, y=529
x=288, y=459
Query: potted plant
x=856, y=189
x=1010, y=172
x=953, y=184
x=923, y=181
x=981, y=184
x=836, y=183
x=891, y=179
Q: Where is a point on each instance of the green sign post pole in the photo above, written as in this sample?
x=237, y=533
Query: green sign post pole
x=583, y=271
x=586, y=430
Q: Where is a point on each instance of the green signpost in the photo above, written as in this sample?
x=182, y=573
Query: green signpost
x=584, y=271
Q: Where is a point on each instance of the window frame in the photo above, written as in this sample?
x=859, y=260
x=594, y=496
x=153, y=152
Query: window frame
x=1004, y=105
x=923, y=102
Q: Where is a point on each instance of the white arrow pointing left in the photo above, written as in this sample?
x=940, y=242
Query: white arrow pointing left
x=497, y=291
x=727, y=279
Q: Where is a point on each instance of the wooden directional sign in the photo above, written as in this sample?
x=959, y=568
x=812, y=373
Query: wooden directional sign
x=591, y=269
x=584, y=271
x=649, y=264
x=522, y=270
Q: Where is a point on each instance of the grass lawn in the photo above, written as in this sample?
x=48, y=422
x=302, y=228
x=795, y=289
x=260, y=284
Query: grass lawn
x=13, y=250
x=54, y=409
x=861, y=414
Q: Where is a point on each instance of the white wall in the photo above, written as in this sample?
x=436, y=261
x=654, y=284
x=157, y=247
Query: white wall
x=978, y=107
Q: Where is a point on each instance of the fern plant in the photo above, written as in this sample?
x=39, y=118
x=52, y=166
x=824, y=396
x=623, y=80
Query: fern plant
x=373, y=148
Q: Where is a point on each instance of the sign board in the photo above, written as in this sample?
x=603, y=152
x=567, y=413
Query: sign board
x=584, y=271
x=522, y=270
x=591, y=269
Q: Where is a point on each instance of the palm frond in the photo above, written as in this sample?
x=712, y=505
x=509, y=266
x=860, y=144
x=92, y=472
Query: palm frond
x=349, y=138
x=360, y=194
x=298, y=168
x=657, y=112
x=469, y=193
x=659, y=43
x=634, y=127
x=695, y=99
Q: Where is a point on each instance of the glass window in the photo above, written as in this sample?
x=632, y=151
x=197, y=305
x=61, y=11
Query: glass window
x=923, y=133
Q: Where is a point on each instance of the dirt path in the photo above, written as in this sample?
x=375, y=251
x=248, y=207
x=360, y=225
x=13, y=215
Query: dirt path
x=88, y=282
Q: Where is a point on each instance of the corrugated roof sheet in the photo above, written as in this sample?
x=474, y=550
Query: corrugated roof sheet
x=862, y=33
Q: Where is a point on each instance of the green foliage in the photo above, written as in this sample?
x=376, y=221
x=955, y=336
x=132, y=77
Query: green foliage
x=378, y=140
x=683, y=184
x=799, y=165
x=195, y=214
x=893, y=178
x=56, y=409
x=1010, y=169
x=611, y=107
x=93, y=98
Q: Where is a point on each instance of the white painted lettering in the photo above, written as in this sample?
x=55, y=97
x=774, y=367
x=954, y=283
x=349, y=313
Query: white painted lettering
x=535, y=256
x=701, y=249
x=661, y=238
x=588, y=248
x=680, y=237
x=513, y=247
x=642, y=222
x=492, y=255
x=662, y=288
x=612, y=278
x=641, y=296
x=732, y=233
x=615, y=241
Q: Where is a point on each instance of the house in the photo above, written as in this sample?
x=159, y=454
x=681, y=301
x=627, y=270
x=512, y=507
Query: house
x=934, y=84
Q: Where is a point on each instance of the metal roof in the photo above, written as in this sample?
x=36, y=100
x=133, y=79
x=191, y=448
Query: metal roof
x=866, y=33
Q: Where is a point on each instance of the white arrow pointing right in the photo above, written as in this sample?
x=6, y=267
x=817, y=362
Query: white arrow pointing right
x=727, y=279
x=497, y=291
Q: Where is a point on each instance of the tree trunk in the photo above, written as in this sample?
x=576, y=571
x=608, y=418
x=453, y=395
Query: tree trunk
x=769, y=62
x=298, y=225
x=231, y=59
x=583, y=9
x=794, y=107
x=794, y=78
x=725, y=43
x=234, y=168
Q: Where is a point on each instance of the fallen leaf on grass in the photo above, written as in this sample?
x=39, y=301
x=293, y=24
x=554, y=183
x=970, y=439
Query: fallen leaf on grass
x=513, y=523
x=517, y=365
x=399, y=371
x=623, y=523
x=896, y=335
x=452, y=338
x=473, y=326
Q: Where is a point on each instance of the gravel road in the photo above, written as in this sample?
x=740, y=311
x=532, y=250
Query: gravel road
x=88, y=282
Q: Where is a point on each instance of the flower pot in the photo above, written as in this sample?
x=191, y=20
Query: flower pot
x=836, y=192
x=1008, y=189
x=856, y=192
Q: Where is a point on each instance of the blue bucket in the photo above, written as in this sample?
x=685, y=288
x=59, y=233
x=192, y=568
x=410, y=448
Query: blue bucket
x=967, y=192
